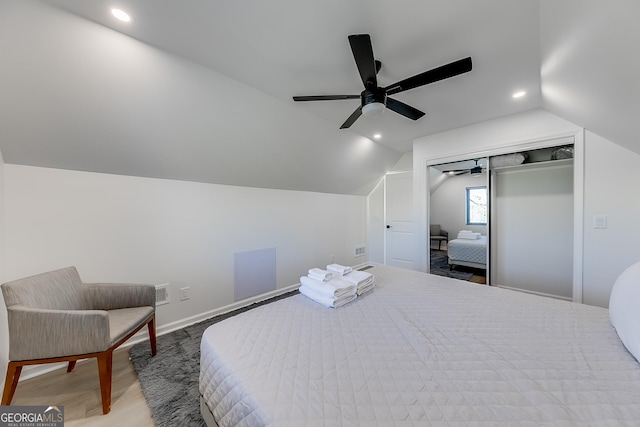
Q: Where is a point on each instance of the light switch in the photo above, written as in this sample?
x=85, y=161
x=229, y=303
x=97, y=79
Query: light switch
x=599, y=221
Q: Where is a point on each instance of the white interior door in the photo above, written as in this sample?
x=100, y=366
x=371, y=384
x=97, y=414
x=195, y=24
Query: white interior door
x=401, y=240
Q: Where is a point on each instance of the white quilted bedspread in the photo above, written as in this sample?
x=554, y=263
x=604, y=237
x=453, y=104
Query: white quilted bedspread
x=420, y=350
x=468, y=250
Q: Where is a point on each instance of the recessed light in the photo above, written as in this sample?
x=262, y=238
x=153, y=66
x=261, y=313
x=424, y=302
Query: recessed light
x=121, y=15
x=519, y=94
x=377, y=136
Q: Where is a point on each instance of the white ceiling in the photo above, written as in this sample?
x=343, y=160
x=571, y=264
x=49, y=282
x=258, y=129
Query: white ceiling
x=201, y=90
x=289, y=47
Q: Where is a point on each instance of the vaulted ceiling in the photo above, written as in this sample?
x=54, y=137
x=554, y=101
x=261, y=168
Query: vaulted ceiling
x=202, y=90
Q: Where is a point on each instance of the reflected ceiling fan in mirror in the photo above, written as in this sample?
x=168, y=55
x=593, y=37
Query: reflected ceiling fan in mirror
x=374, y=99
x=475, y=170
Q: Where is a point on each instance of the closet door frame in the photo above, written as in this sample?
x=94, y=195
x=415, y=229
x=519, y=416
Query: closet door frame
x=577, y=139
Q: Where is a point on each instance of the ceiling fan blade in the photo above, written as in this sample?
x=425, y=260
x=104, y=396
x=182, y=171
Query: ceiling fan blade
x=404, y=109
x=352, y=118
x=325, y=97
x=363, y=54
x=444, y=72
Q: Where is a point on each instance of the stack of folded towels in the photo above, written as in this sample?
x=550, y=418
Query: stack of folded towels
x=322, y=287
x=335, y=286
x=469, y=235
x=364, y=281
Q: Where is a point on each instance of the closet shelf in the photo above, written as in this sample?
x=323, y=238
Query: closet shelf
x=535, y=165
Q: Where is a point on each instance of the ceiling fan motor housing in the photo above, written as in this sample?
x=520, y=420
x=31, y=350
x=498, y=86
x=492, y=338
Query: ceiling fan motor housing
x=373, y=101
x=369, y=96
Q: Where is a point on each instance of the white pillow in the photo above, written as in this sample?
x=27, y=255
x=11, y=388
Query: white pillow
x=624, y=308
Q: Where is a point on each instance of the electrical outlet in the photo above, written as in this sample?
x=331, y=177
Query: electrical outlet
x=184, y=294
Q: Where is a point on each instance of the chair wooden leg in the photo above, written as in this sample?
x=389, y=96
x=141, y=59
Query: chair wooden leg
x=152, y=335
x=72, y=364
x=11, y=382
x=105, y=370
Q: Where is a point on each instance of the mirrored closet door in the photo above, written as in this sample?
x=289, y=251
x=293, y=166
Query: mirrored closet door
x=458, y=219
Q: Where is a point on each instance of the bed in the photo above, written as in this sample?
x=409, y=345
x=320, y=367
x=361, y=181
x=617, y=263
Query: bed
x=467, y=252
x=419, y=349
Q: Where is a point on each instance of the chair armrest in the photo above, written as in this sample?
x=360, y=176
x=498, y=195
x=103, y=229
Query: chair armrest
x=112, y=296
x=36, y=333
x=445, y=234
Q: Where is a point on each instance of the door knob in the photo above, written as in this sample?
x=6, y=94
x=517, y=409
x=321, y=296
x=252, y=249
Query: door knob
x=388, y=226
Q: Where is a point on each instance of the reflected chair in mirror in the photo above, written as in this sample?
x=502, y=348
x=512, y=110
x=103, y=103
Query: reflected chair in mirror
x=436, y=233
x=55, y=317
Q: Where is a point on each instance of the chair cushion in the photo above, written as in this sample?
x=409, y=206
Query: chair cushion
x=125, y=320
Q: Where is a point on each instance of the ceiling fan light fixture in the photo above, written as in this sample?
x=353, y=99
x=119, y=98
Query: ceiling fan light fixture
x=373, y=109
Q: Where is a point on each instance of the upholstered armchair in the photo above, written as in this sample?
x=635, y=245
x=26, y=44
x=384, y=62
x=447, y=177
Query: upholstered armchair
x=54, y=317
x=438, y=234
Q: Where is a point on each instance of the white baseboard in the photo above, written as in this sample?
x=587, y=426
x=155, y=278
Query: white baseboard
x=542, y=294
x=36, y=370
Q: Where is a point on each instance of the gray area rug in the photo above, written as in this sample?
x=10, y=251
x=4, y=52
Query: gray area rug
x=440, y=266
x=170, y=379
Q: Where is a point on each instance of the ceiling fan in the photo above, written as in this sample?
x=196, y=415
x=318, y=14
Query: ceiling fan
x=473, y=171
x=374, y=99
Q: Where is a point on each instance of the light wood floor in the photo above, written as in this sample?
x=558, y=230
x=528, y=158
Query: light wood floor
x=482, y=280
x=79, y=393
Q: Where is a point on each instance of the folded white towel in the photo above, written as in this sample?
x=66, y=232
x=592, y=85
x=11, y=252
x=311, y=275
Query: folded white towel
x=365, y=288
x=339, y=269
x=320, y=274
x=361, y=279
x=468, y=235
x=331, y=289
x=327, y=301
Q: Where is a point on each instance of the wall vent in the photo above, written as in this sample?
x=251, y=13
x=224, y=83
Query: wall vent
x=359, y=250
x=162, y=294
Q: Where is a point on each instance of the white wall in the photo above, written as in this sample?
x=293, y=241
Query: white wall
x=128, y=229
x=404, y=164
x=612, y=175
x=448, y=205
